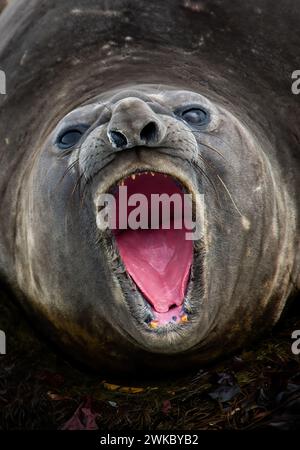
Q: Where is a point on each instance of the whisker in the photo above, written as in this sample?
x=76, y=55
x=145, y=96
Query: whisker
x=207, y=163
x=208, y=133
x=198, y=168
x=77, y=183
x=204, y=144
x=214, y=137
x=111, y=157
x=211, y=182
x=213, y=149
x=230, y=196
x=68, y=169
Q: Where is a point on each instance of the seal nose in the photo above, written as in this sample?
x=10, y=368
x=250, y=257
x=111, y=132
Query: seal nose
x=133, y=123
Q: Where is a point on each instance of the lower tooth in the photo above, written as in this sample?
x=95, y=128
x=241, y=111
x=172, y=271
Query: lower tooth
x=153, y=324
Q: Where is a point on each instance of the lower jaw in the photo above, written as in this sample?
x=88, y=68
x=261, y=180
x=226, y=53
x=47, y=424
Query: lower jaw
x=142, y=312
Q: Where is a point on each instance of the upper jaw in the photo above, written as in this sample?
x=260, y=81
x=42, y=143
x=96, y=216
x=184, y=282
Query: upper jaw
x=188, y=180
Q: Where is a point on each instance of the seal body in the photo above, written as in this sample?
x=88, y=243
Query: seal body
x=126, y=103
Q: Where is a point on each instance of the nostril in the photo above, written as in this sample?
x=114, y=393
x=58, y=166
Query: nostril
x=118, y=139
x=149, y=132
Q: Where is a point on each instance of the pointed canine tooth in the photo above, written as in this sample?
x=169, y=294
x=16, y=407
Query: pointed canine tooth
x=133, y=176
x=153, y=324
x=122, y=183
x=146, y=173
x=184, y=318
x=152, y=173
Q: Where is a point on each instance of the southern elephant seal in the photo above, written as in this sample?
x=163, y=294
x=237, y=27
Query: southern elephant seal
x=161, y=97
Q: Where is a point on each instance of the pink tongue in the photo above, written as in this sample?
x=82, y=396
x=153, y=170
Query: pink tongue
x=159, y=262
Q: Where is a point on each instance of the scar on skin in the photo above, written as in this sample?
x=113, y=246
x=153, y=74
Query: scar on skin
x=246, y=223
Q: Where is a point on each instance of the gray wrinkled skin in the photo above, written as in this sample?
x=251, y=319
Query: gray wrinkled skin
x=244, y=160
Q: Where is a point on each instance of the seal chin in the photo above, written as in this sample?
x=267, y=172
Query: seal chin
x=151, y=258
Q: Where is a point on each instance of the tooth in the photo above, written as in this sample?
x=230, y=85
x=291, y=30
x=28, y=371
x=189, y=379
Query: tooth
x=146, y=173
x=153, y=324
x=122, y=183
x=153, y=174
x=184, y=318
x=133, y=176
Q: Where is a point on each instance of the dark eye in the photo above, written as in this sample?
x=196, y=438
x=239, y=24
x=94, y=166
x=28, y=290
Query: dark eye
x=194, y=116
x=70, y=137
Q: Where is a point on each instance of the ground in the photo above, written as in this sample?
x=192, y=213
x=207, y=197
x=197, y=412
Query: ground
x=40, y=389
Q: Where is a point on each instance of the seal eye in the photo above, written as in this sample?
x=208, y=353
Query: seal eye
x=70, y=137
x=195, y=116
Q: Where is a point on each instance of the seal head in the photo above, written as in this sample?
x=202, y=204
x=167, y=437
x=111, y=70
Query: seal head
x=153, y=290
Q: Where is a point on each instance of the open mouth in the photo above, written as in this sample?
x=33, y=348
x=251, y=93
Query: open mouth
x=150, y=237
